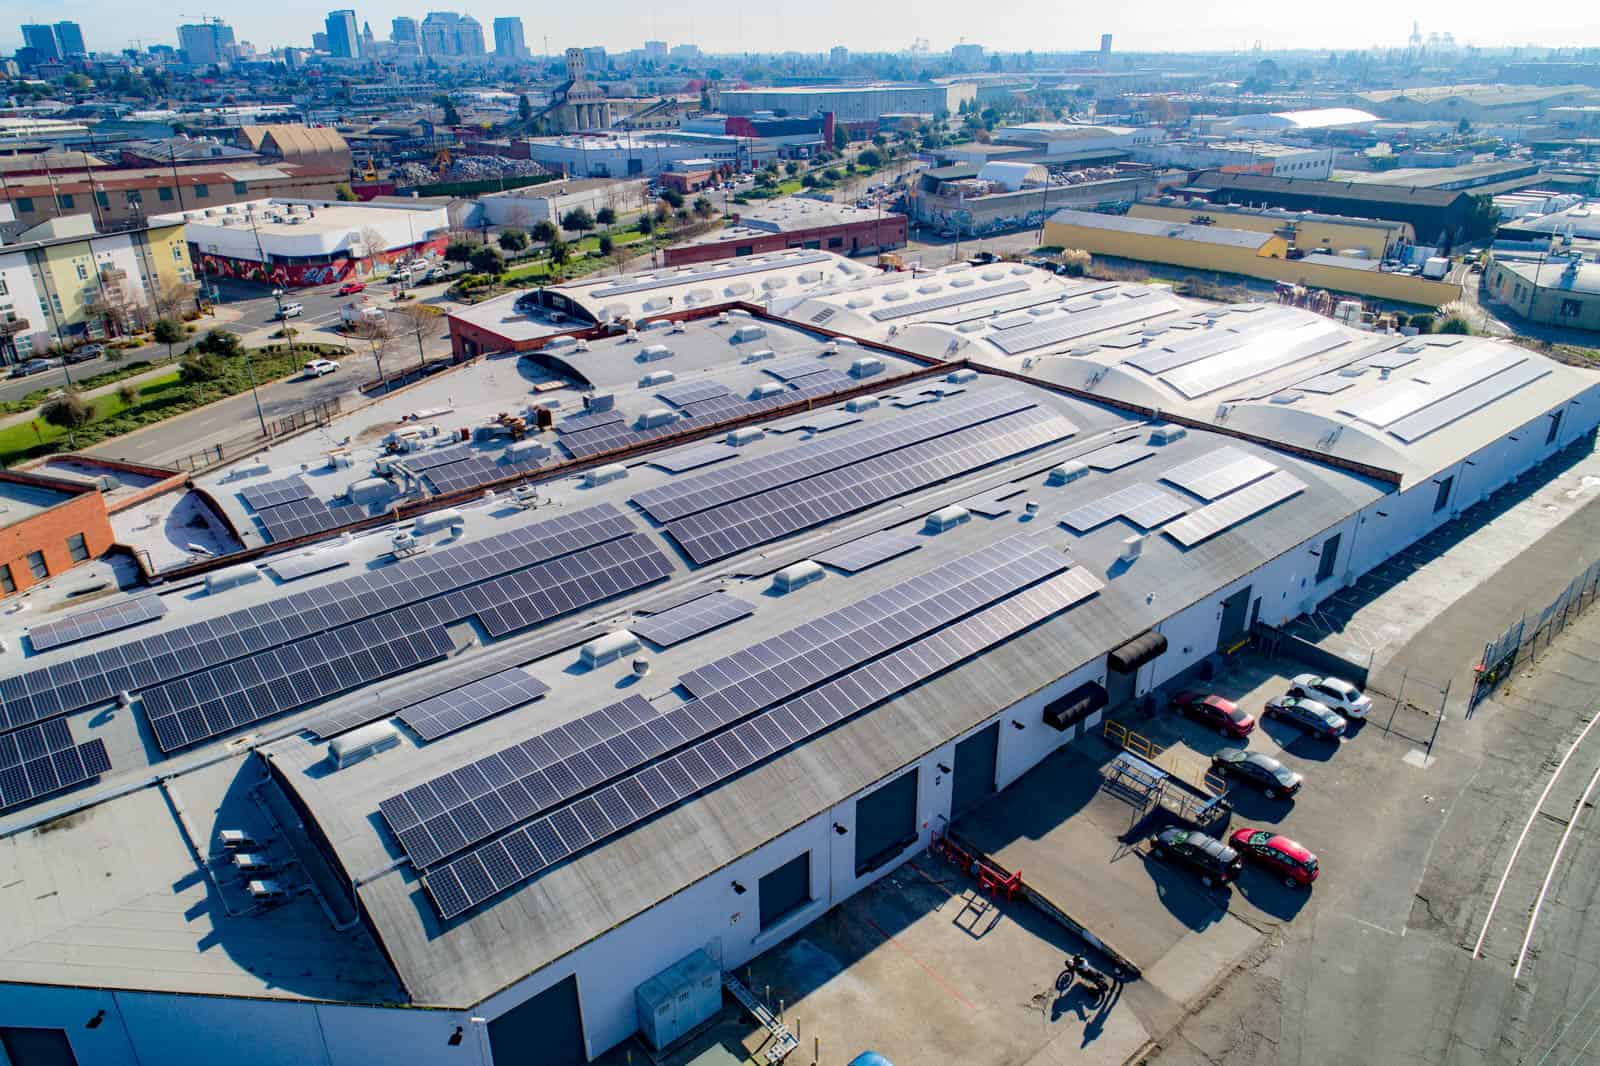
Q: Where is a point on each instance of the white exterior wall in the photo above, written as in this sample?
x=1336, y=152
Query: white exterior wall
x=330, y=232
x=22, y=299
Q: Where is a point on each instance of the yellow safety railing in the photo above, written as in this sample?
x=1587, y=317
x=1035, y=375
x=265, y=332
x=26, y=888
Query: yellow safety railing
x=1128, y=740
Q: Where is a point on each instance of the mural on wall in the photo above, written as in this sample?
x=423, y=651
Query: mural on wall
x=306, y=275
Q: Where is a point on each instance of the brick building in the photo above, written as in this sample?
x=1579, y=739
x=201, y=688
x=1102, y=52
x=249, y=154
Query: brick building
x=796, y=222
x=51, y=525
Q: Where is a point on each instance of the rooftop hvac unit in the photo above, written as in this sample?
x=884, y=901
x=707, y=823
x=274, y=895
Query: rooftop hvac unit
x=866, y=366
x=797, y=576
x=651, y=353
x=267, y=892
x=722, y=318
x=358, y=744
x=1166, y=434
x=249, y=862
x=657, y=377
x=961, y=377
x=831, y=348
x=237, y=840
x=580, y=345
x=657, y=416
x=861, y=403
x=765, y=389
x=1132, y=548
x=599, y=401
x=631, y=336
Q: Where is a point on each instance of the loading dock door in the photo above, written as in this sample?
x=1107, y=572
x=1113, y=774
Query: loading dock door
x=1234, y=614
x=545, y=1031
x=975, y=770
x=886, y=822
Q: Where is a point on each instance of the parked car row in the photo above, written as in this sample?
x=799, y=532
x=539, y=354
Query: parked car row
x=1217, y=863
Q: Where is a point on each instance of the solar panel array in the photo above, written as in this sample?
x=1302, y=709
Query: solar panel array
x=692, y=391
x=42, y=759
x=869, y=551
x=1197, y=346
x=1144, y=505
x=688, y=495
x=472, y=703
x=274, y=493
x=293, y=567
x=301, y=518
x=579, y=423
x=1326, y=384
x=680, y=623
x=704, y=414
x=1059, y=328
x=1219, y=472
x=1436, y=416
x=790, y=369
x=663, y=281
x=1385, y=406
x=950, y=299
x=1213, y=518
x=475, y=471
x=732, y=527
x=93, y=623
x=135, y=665
x=427, y=460
x=992, y=504
x=503, y=863
x=563, y=585
x=677, y=461
x=1263, y=356
x=1116, y=456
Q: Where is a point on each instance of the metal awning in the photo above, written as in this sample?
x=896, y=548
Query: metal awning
x=1137, y=652
x=1075, y=706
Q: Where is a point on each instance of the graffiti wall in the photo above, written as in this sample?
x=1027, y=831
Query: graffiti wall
x=308, y=275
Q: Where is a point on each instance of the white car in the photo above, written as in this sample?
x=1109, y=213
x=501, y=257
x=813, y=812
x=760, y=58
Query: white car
x=1333, y=693
x=292, y=311
x=318, y=367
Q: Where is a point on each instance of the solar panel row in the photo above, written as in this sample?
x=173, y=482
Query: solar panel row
x=680, y=623
x=1436, y=416
x=421, y=462
x=275, y=493
x=1262, y=356
x=472, y=703
x=1219, y=472
x=685, y=496
x=563, y=585
x=521, y=854
x=954, y=298
x=47, y=774
x=1229, y=511
x=584, y=753
x=1383, y=407
x=869, y=551
x=661, y=281
x=1059, y=328
x=88, y=624
x=1144, y=505
x=317, y=519
x=479, y=470
x=1116, y=456
x=692, y=391
x=139, y=664
x=731, y=527
x=292, y=567
x=791, y=369
x=579, y=423
x=679, y=460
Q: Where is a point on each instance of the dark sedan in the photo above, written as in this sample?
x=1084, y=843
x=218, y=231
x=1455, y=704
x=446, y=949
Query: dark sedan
x=1263, y=771
x=1214, y=861
x=1306, y=714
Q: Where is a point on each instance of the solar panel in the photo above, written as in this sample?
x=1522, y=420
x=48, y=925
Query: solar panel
x=293, y=567
x=950, y=299
x=660, y=281
x=1262, y=355
x=791, y=369
x=1068, y=327
x=578, y=423
x=1384, y=406
x=135, y=665
x=1195, y=347
x=1435, y=417
x=678, y=461
x=691, y=391
x=1213, y=518
x=273, y=493
x=688, y=495
x=427, y=460
x=1144, y=505
x=869, y=551
x=318, y=519
x=992, y=504
x=55, y=770
x=478, y=470
x=1326, y=384
x=93, y=623
x=691, y=619
x=1393, y=359
x=472, y=703
x=721, y=531
x=1219, y=472
x=822, y=423
x=1116, y=456
x=539, y=593
x=502, y=863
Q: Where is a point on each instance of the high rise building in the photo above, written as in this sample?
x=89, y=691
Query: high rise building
x=403, y=30
x=508, y=41
x=319, y=41
x=41, y=37
x=206, y=42
x=469, y=37
x=344, y=39
x=439, y=34
x=70, y=38
x=594, y=58
x=655, y=51
x=838, y=56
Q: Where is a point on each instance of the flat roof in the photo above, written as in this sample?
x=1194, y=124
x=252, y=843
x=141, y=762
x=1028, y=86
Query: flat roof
x=21, y=500
x=1158, y=227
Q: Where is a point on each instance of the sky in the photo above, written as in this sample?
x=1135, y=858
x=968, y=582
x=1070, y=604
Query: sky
x=891, y=25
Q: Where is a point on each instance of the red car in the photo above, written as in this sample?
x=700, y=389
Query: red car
x=352, y=286
x=1220, y=714
x=1293, y=862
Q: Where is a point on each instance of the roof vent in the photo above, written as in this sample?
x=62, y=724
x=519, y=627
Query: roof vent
x=946, y=518
x=1132, y=548
x=1068, y=472
x=962, y=376
x=580, y=345
x=722, y=318
x=860, y=403
x=358, y=744
x=657, y=416
x=641, y=667
x=601, y=475
x=609, y=648
x=651, y=353
x=866, y=366
x=797, y=576
x=657, y=377
x=761, y=355
x=1166, y=434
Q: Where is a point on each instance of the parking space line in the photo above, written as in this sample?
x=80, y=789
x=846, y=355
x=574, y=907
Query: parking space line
x=930, y=971
x=1369, y=925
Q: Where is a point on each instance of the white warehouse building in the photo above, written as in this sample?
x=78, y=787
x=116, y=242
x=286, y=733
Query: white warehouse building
x=562, y=803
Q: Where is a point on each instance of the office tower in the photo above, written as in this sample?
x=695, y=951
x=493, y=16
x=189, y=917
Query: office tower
x=70, y=38
x=508, y=41
x=42, y=39
x=206, y=42
x=469, y=37
x=403, y=30
x=655, y=51
x=344, y=40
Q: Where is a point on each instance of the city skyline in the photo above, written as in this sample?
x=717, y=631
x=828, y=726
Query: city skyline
x=619, y=25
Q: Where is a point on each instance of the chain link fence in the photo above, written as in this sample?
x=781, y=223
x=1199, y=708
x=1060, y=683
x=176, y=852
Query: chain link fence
x=1523, y=639
x=319, y=413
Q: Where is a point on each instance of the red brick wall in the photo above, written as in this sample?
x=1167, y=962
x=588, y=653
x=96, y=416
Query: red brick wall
x=48, y=532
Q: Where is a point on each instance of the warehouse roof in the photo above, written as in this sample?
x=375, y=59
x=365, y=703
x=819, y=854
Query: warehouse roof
x=1356, y=192
x=1156, y=227
x=1554, y=275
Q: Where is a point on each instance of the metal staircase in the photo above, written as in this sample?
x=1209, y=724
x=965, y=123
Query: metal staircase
x=783, y=1041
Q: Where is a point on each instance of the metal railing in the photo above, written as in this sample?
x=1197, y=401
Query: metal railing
x=1128, y=740
x=319, y=413
x=1522, y=639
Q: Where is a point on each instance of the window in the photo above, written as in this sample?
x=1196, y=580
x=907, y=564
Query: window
x=7, y=584
x=835, y=242
x=25, y=205
x=77, y=547
x=201, y=192
x=37, y=1047
x=101, y=199
x=65, y=201
x=1328, y=557
x=164, y=193
x=40, y=568
x=240, y=188
x=83, y=271
x=133, y=198
x=785, y=890
x=3, y=289
x=743, y=249
x=1571, y=308
x=1555, y=427
x=1443, y=499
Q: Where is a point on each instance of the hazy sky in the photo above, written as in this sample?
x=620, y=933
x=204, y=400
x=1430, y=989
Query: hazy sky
x=886, y=25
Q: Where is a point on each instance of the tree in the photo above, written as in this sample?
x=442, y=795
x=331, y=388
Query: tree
x=415, y=320
x=68, y=410
x=373, y=240
x=578, y=219
x=545, y=232
x=560, y=252
x=343, y=192
x=673, y=197
x=524, y=107
x=168, y=332
x=704, y=207
x=870, y=158
x=377, y=336
x=202, y=369
x=220, y=342
x=646, y=224
x=513, y=239
x=606, y=244
x=452, y=117
x=460, y=251
x=791, y=168
x=606, y=216
x=841, y=139
x=486, y=260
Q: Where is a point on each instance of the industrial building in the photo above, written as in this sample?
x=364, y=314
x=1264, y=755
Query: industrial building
x=1077, y=139
x=853, y=104
x=795, y=222
x=1438, y=216
x=550, y=201
x=1241, y=156
x=1247, y=253
x=973, y=199
x=1555, y=290
x=613, y=154
x=299, y=243
x=1373, y=238
x=813, y=563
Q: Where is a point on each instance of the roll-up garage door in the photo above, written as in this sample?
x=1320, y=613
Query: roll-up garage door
x=545, y=1031
x=886, y=822
x=975, y=769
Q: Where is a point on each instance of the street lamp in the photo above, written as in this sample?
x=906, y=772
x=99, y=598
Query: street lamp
x=277, y=298
x=250, y=369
